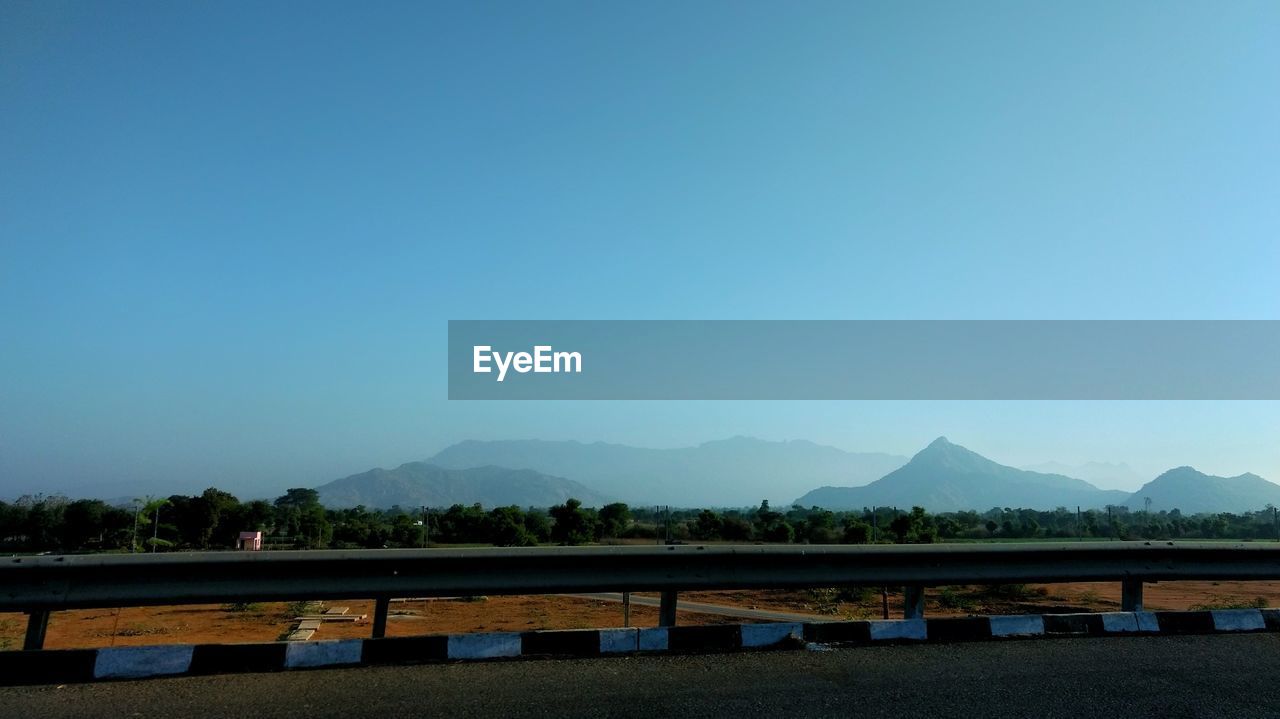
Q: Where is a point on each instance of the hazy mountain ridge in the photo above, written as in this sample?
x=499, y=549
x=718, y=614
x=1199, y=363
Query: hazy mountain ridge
x=1104, y=475
x=740, y=471
x=1192, y=491
x=734, y=472
x=947, y=477
x=419, y=483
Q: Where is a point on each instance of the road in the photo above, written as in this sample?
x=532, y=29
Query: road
x=1202, y=676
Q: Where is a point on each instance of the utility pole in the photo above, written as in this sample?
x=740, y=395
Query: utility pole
x=1079, y=525
x=875, y=537
x=425, y=527
x=155, y=531
x=137, y=509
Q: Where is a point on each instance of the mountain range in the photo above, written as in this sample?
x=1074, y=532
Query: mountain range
x=740, y=471
x=946, y=477
x=421, y=484
x=734, y=472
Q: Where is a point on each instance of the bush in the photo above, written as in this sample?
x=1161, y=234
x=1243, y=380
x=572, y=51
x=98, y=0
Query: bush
x=298, y=609
x=825, y=600
x=949, y=598
x=857, y=531
x=1016, y=592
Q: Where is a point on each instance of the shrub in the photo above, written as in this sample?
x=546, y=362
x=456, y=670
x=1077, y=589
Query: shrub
x=1016, y=592
x=297, y=609
x=949, y=598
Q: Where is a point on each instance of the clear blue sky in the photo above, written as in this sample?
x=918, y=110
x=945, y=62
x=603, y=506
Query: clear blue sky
x=231, y=233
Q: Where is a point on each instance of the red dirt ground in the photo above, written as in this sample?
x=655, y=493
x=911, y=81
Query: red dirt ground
x=270, y=621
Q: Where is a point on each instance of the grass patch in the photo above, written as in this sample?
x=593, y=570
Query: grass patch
x=1015, y=592
x=1231, y=603
x=951, y=598
x=140, y=630
x=299, y=609
x=827, y=600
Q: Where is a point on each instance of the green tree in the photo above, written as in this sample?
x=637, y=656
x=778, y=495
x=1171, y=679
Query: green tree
x=84, y=521
x=151, y=509
x=302, y=517
x=538, y=524
x=915, y=526
x=507, y=528
x=614, y=519
x=573, y=525
x=781, y=532
x=856, y=531
x=708, y=525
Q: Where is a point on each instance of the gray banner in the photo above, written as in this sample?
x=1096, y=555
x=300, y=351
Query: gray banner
x=921, y=359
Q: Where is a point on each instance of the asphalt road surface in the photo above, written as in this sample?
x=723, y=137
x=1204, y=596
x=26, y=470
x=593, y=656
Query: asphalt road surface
x=1204, y=676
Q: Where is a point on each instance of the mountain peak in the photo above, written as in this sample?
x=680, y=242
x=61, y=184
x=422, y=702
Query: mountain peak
x=946, y=477
x=1183, y=471
x=942, y=448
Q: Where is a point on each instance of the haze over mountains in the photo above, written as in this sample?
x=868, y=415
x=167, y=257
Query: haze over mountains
x=1103, y=475
x=420, y=484
x=741, y=471
x=734, y=472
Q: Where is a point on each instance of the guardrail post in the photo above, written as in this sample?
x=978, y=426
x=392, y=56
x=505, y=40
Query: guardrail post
x=1131, y=595
x=37, y=623
x=667, y=610
x=381, y=606
x=913, y=602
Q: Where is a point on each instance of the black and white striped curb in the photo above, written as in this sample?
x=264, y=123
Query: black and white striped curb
x=57, y=666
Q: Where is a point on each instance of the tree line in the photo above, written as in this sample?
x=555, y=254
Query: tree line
x=296, y=520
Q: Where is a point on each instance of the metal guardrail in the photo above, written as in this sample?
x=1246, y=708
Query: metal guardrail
x=39, y=585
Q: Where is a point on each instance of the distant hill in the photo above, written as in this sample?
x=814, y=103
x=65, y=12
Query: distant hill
x=946, y=477
x=1192, y=492
x=734, y=472
x=1104, y=475
x=418, y=483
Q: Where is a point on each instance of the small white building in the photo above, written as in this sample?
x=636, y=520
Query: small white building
x=250, y=541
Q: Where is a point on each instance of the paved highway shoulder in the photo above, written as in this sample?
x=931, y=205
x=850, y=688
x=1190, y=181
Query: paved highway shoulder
x=1191, y=676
